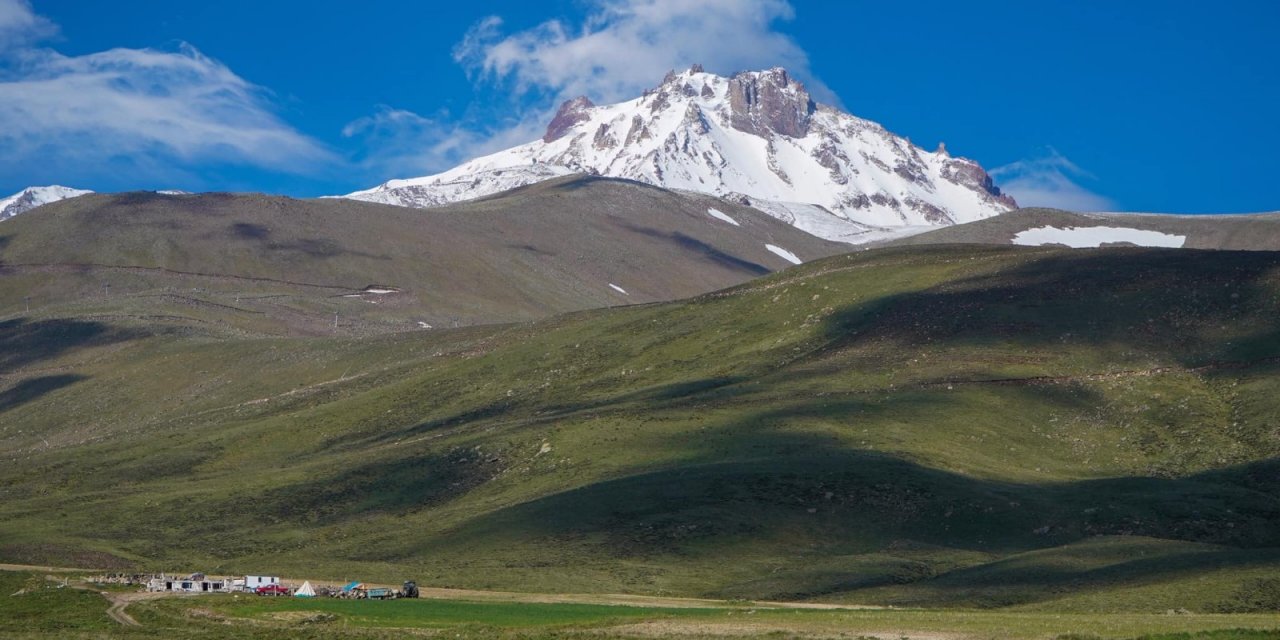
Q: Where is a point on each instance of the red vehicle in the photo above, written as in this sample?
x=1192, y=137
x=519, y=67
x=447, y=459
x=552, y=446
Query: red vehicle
x=272, y=590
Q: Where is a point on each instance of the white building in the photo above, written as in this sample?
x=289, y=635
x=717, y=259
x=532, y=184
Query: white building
x=195, y=583
x=253, y=582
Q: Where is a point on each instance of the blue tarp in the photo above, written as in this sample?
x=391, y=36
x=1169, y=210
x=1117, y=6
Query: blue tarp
x=351, y=586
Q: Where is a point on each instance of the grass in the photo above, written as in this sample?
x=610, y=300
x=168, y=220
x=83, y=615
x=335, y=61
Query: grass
x=449, y=613
x=517, y=616
x=47, y=611
x=1039, y=430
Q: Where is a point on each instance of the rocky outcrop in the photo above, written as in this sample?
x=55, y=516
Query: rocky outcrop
x=967, y=173
x=769, y=102
x=567, y=116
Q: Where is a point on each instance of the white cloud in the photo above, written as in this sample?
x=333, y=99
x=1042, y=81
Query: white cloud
x=402, y=143
x=153, y=108
x=20, y=25
x=625, y=46
x=1050, y=180
x=620, y=49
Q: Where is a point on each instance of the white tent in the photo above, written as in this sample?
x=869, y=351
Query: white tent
x=305, y=591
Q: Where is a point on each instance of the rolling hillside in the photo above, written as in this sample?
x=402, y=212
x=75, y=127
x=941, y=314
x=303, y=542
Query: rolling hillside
x=1042, y=227
x=961, y=426
x=277, y=265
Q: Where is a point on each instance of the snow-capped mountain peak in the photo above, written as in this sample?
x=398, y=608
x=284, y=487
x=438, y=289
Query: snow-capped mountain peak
x=756, y=137
x=32, y=197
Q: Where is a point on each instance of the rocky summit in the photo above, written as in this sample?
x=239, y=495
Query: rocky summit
x=756, y=137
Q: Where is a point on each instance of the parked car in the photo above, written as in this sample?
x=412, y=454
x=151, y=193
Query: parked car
x=272, y=590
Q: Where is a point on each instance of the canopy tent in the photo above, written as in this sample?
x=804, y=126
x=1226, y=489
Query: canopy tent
x=305, y=591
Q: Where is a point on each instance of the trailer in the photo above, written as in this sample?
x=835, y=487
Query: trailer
x=381, y=593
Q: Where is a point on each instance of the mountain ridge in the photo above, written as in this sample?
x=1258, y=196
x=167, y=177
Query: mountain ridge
x=755, y=137
x=32, y=197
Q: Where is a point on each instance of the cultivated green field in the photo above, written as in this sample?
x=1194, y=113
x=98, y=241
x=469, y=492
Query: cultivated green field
x=45, y=611
x=1037, y=432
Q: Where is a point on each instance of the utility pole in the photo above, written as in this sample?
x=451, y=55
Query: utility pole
x=106, y=289
x=335, y=320
x=27, y=300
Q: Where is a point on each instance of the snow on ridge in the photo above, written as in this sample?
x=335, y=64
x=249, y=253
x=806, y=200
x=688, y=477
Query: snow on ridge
x=720, y=215
x=32, y=197
x=827, y=172
x=619, y=289
x=1090, y=237
x=784, y=254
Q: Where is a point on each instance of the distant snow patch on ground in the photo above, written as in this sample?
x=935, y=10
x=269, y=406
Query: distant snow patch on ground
x=720, y=215
x=784, y=254
x=619, y=289
x=1082, y=237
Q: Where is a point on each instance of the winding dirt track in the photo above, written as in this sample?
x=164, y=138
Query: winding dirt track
x=116, y=612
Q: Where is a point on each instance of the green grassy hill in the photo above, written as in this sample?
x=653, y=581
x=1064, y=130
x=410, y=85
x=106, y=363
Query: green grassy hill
x=943, y=426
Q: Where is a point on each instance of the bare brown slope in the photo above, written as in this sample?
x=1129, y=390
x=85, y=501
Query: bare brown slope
x=528, y=253
x=1240, y=232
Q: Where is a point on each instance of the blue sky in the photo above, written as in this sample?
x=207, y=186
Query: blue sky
x=1136, y=105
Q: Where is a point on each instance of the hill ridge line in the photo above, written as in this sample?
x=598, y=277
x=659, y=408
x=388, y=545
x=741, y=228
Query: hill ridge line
x=93, y=265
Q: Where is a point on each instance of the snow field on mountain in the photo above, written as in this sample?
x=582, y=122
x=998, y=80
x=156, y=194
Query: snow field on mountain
x=33, y=197
x=755, y=136
x=1086, y=237
x=720, y=215
x=784, y=254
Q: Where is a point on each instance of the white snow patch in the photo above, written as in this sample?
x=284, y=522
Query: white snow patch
x=423, y=325
x=720, y=215
x=1082, y=237
x=619, y=289
x=784, y=254
x=33, y=197
x=378, y=291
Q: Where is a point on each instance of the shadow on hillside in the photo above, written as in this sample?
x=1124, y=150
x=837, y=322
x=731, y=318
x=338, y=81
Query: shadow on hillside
x=670, y=395
x=702, y=249
x=310, y=247
x=24, y=342
x=33, y=388
x=811, y=510
x=387, y=487
x=1177, y=304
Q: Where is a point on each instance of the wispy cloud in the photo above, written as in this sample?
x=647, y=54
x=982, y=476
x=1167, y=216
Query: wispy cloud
x=619, y=49
x=19, y=25
x=401, y=143
x=625, y=46
x=1050, y=180
x=156, y=108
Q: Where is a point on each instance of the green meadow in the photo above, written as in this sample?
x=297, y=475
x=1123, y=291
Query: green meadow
x=1009, y=432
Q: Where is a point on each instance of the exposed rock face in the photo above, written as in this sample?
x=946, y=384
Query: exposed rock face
x=971, y=175
x=570, y=113
x=769, y=102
